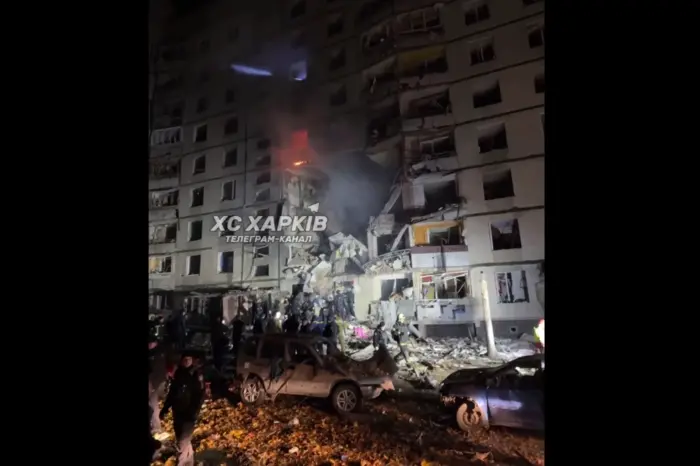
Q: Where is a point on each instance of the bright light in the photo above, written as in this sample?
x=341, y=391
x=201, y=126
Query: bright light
x=251, y=71
x=539, y=332
x=278, y=315
x=300, y=163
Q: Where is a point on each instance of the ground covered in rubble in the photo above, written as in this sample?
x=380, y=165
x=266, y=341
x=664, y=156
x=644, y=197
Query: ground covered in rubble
x=392, y=430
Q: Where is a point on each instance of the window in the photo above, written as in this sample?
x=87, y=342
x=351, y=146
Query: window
x=425, y=20
x=197, y=197
x=445, y=236
x=512, y=287
x=231, y=126
x=159, y=234
x=166, y=198
x=230, y=96
x=231, y=157
x=233, y=34
x=204, y=46
x=505, y=235
x=498, y=185
x=194, y=264
x=228, y=190
x=337, y=59
x=200, y=165
x=200, y=133
x=438, y=146
x=493, y=138
x=262, y=195
x=335, y=25
x=536, y=37
x=339, y=96
x=482, y=52
x=262, y=271
x=488, y=96
x=539, y=84
x=263, y=178
x=262, y=251
x=162, y=264
x=162, y=137
x=476, y=12
x=195, y=231
x=263, y=144
x=263, y=160
x=298, y=9
x=202, y=105
x=226, y=262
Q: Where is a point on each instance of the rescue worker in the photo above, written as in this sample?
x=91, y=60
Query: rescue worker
x=185, y=398
x=256, y=314
x=237, y=327
x=331, y=331
x=378, y=338
x=340, y=325
x=399, y=333
x=157, y=378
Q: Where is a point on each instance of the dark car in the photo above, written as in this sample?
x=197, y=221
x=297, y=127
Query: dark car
x=510, y=395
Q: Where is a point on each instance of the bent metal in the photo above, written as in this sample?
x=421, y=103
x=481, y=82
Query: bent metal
x=304, y=223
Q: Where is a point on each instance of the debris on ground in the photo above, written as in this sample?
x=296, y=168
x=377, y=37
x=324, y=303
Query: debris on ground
x=391, y=432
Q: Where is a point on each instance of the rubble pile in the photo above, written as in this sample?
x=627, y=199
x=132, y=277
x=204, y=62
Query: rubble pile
x=387, y=433
x=430, y=361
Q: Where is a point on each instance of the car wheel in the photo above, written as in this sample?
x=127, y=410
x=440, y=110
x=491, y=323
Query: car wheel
x=346, y=398
x=469, y=416
x=252, y=391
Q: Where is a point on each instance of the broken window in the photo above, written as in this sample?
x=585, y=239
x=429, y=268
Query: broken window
x=200, y=133
x=298, y=9
x=372, y=8
x=498, y=185
x=194, y=264
x=231, y=157
x=392, y=286
x=231, y=126
x=384, y=125
x=421, y=21
x=200, y=165
x=440, y=194
x=263, y=178
x=262, y=270
x=505, y=235
x=445, y=236
x=437, y=147
x=380, y=35
x=227, y=191
x=339, y=96
x=475, y=12
x=435, y=104
x=298, y=71
x=335, y=25
x=159, y=234
x=445, y=286
x=161, y=264
x=262, y=195
x=492, y=138
x=263, y=144
x=488, y=96
x=195, y=230
x=539, y=84
x=512, y=287
x=263, y=160
x=226, y=262
x=164, y=198
x=230, y=96
x=197, y=197
x=337, y=59
x=202, y=104
x=262, y=251
x=163, y=170
x=482, y=51
x=423, y=62
x=535, y=36
x=165, y=136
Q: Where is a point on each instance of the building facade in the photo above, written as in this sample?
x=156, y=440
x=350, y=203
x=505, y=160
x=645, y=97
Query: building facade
x=449, y=95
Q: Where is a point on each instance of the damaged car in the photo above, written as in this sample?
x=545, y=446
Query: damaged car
x=309, y=366
x=511, y=395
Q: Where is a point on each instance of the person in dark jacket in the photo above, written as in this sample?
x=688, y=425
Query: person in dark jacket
x=399, y=333
x=157, y=378
x=378, y=338
x=331, y=331
x=237, y=327
x=185, y=398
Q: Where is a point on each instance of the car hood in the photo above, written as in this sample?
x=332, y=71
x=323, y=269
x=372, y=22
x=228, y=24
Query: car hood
x=468, y=375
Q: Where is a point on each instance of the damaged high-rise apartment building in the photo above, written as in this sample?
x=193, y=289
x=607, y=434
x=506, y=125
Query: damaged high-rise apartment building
x=448, y=95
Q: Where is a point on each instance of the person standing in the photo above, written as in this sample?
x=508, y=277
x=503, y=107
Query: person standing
x=185, y=399
x=237, y=327
x=157, y=378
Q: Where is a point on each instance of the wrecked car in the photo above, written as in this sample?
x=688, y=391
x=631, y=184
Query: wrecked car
x=511, y=395
x=310, y=366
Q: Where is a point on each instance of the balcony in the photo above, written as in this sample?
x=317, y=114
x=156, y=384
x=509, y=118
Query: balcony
x=427, y=66
x=164, y=170
x=380, y=81
x=166, y=136
x=439, y=257
x=165, y=199
x=378, y=43
x=420, y=27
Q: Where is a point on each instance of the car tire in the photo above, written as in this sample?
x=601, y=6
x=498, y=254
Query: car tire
x=470, y=416
x=252, y=391
x=346, y=398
